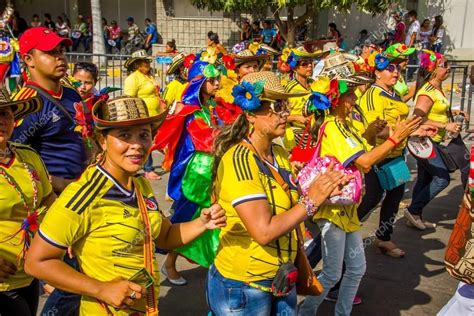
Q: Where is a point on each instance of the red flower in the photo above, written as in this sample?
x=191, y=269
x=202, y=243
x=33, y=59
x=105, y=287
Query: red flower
x=189, y=60
x=228, y=62
x=283, y=67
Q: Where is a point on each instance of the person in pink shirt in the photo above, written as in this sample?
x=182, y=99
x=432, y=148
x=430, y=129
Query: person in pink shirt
x=400, y=28
x=115, y=34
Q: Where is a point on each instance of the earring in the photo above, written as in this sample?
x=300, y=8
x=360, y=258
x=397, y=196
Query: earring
x=100, y=158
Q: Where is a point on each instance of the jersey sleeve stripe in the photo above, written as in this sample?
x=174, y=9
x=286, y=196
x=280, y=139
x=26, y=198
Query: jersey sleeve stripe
x=78, y=193
x=348, y=161
x=92, y=197
x=370, y=100
x=248, y=198
x=236, y=164
x=86, y=194
x=50, y=241
x=247, y=166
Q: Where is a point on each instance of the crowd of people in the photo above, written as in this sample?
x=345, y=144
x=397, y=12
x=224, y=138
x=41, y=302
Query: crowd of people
x=253, y=154
x=81, y=32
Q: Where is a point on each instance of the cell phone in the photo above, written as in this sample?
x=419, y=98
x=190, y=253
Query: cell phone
x=143, y=278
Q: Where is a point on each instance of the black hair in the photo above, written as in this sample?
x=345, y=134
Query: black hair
x=438, y=23
x=213, y=37
x=172, y=44
x=47, y=15
x=35, y=16
x=104, y=20
x=333, y=25
x=413, y=13
x=256, y=22
x=148, y=20
x=60, y=18
x=89, y=67
x=113, y=22
x=364, y=31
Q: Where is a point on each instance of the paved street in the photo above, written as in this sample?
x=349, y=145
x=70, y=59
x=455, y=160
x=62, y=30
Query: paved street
x=415, y=285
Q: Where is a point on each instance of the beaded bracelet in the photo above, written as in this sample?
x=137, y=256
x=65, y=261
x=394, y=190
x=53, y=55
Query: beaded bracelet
x=308, y=204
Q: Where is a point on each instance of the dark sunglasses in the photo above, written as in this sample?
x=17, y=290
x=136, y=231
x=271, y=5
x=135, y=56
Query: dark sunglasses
x=305, y=63
x=392, y=68
x=86, y=66
x=279, y=107
x=443, y=65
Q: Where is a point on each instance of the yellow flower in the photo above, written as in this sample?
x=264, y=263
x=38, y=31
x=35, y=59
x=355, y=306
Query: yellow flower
x=254, y=47
x=209, y=55
x=227, y=84
x=321, y=85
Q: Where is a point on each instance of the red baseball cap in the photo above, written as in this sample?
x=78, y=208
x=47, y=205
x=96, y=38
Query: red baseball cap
x=41, y=38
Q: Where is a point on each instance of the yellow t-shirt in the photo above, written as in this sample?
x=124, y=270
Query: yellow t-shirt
x=439, y=110
x=173, y=92
x=141, y=86
x=296, y=104
x=343, y=142
x=12, y=210
x=241, y=177
x=102, y=222
x=377, y=103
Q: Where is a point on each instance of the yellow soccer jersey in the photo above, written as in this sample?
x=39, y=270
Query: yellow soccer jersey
x=12, y=210
x=343, y=142
x=296, y=104
x=102, y=222
x=439, y=110
x=241, y=177
x=173, y=92
x=377, y=103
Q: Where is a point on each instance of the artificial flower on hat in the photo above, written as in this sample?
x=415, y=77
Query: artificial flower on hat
x=256, y=49
x=399, y=50
x=429, y=59
x=325, y=93
x=247, y=95
x=189, y=60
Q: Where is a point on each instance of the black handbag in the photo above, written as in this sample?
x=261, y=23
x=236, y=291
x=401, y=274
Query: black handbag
x=448, y=160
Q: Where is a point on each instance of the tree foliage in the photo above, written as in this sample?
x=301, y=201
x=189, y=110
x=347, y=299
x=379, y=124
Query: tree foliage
x=312, y=6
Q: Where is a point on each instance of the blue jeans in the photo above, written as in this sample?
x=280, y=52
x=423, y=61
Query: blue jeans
x=61, y=302
x=148, y=167
x=227, y=296
x=338, y=247
x=433, y=177
x=437, y=47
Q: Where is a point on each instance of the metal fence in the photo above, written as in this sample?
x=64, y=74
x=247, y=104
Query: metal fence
x=112, y=73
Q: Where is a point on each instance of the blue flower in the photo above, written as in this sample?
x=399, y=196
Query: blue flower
x=260, y=51
x=292, y=60
x=246, y=96
x=319, y=101
x=381, y=61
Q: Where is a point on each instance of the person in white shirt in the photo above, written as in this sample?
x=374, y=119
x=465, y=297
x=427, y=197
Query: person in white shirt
x=438, y=34
x=412, y=38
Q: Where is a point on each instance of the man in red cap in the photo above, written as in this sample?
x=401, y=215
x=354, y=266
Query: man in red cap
x=51, y=131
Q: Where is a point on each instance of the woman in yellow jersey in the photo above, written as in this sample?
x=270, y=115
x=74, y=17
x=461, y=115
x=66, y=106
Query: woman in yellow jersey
x=25, y=189
x=341, y=240
x=111, y=220
x=381, y=101
x=174, y=89
x=141, y=84
x=262, y=210
x=432, y=105
x=300, y=63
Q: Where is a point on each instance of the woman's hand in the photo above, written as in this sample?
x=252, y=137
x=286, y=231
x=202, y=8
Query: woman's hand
x=453, y=127
x=326, y=185
x=402, y=130
x=7, y=268
x=213, y=217
x=425, y=131
x=120, y=293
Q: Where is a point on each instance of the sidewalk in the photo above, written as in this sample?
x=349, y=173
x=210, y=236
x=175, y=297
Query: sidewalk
x=413, y=286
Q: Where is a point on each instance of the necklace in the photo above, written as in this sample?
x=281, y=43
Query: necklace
x=30, y=224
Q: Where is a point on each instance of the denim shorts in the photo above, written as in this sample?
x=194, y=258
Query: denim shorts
x=226, y=296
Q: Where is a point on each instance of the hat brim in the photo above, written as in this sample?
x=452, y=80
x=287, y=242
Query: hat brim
x=308, y=55
x=100, y=124
x=281, y=95
x=357, y=80
x=130, y=61
x=174, y=66
x=270, y=50
x=240, y=60
x=23, y=108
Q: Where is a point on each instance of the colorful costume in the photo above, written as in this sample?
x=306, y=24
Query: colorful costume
x=188, y=137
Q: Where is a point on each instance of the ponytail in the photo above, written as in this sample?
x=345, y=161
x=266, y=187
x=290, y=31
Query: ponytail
x=229, y=136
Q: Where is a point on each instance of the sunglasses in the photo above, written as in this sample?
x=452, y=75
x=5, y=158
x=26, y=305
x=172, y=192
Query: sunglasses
x=443, y=65
x=86, y=66
x=213, y=79
x=279, y=107
x=392, y=68
x=305, y=63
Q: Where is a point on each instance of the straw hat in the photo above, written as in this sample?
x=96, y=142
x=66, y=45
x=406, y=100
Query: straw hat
x=272, y=89
x=177, y=62
x=138, y=55
x=358, y=79
x=270, y=50
x=124, y=111
x=303, y=53
x=20, y=108
x=246, y=56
